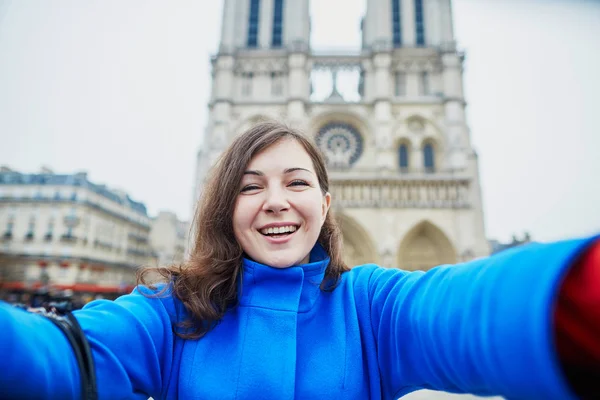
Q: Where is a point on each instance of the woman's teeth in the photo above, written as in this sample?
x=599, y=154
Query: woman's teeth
x=278, y=230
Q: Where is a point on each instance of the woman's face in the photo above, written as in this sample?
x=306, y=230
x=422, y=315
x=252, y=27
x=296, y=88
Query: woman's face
x=280, y=208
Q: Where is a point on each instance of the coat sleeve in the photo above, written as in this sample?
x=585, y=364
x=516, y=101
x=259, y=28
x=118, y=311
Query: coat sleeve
x=483, y=327
x=131, y=341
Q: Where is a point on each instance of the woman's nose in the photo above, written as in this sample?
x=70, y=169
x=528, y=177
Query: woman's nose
x=276, y=201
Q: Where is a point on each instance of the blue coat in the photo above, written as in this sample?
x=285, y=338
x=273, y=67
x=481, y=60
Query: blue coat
x=482, y=327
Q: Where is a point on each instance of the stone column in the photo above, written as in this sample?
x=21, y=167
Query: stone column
x=228, y=27
x=433, y=22
x=296, y=24
x=447, y=30
x=241, y=14
x=383, y=77
x=224, y=78
x=407, y=14
x=415, y=161
x=456, y=130
x=265, y=29
x=299, y=87
x=378, y=25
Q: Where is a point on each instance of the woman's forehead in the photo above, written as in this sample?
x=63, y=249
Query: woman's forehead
x=284, y=154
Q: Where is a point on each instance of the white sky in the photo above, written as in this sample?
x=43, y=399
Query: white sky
x=119, y=89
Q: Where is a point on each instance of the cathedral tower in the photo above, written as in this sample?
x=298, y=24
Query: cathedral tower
x=392, y=125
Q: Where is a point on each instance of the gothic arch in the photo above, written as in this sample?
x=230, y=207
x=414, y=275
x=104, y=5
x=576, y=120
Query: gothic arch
x=437, y=152
x=424, y=247
x=358, y=246
x=404, y=129
x=406, y=141
x=403, y=140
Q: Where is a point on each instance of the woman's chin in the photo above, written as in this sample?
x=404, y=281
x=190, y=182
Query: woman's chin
x=284, y=261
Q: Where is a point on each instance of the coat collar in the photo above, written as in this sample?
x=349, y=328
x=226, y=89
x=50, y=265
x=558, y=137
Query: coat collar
x=294, y=288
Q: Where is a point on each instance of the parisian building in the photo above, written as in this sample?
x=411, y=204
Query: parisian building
x=391, y=122
x=64, y=232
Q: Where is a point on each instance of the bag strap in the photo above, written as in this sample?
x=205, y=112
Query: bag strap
x=69, y=326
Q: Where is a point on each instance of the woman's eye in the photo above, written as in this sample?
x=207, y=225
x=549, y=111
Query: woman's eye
x=298, y=183
x=248, y=188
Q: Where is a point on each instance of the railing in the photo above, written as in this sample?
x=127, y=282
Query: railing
x=138, y=238
x=139, y=253
x=426, y=193
x=68, y=238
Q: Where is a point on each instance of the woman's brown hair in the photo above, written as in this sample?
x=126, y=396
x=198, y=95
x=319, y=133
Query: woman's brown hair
x=207, y=283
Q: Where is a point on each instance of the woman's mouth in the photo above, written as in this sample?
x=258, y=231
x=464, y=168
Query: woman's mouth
x=279, y=231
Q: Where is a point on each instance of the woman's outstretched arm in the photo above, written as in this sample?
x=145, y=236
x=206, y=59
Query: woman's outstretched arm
x=131, y=341
x=484, y=327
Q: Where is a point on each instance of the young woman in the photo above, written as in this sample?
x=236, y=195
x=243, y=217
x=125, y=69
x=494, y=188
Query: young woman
x=266, y=309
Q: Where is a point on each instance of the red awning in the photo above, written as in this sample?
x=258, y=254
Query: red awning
x=78, y=287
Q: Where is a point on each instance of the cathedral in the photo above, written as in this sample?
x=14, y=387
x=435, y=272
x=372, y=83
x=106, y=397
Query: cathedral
x=404, y=176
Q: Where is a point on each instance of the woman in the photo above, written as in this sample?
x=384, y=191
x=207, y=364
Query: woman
x=265, y=308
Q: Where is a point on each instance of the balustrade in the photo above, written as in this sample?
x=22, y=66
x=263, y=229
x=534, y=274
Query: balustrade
x=414, y=193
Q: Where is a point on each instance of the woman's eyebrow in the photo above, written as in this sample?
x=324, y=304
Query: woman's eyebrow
x=285, y=171
x=289, y=170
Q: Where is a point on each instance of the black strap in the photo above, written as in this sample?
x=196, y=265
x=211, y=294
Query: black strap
x=69, y=326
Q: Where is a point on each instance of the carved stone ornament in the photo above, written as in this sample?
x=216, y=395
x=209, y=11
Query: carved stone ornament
x=416, y=125
x=341, y=144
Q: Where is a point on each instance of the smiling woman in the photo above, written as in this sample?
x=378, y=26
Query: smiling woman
x=265, y=308
x=271, y=177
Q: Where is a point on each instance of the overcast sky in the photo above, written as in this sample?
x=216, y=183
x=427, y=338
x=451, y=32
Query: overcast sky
x=119, y=89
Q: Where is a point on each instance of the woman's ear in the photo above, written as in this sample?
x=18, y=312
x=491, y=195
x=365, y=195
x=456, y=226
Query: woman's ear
x=326, y=205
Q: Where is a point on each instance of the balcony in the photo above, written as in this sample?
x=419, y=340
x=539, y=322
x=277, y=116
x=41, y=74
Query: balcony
x=138, y=238
x=138, y=252
x=103, y=245
x=68, y=238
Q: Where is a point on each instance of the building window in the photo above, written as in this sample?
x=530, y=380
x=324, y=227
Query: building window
x=30, y=228
x=276, y=83
x=253, y=23
x=419, y=23
x=425, y=89
x=428, y=158
x=247, y=83
x=50, y=231
x=403, y=157
x=9, y=229
x=276, y=39
x=396, y=23
x=400, y=84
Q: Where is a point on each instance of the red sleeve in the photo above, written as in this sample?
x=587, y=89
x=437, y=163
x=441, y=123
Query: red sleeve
x=577, y=324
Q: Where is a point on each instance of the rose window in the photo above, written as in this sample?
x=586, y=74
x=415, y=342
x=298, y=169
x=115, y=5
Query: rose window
x=341, y=144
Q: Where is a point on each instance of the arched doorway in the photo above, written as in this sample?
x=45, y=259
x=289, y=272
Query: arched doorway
x=424, y=247
x=358, y=246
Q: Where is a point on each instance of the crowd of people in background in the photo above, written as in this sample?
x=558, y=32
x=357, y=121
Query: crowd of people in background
x=49, y=297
